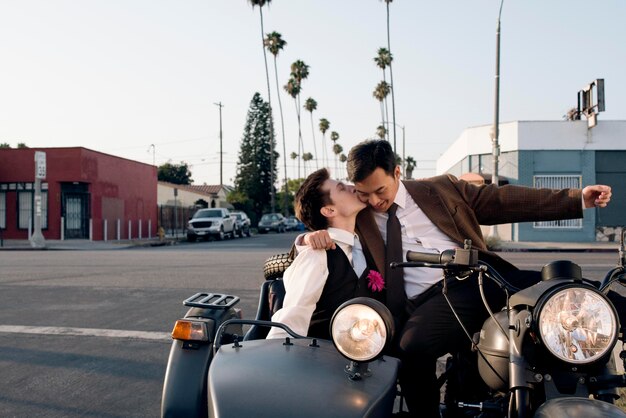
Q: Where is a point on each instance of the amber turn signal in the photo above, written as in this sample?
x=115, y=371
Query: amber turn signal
x=189, y=330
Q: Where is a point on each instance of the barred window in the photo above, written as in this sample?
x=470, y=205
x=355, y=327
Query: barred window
x=3, y=210
x=558, y=182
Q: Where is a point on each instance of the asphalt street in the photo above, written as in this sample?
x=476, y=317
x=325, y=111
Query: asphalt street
x=85, y=333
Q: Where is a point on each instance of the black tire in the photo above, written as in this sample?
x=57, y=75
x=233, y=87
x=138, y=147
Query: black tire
x=221, y=235
x=191, y=238
x=248, y=232
x=275, y=266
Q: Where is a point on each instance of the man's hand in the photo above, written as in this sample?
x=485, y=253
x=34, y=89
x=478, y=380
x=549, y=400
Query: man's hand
x=319, y=240
x=598, y=195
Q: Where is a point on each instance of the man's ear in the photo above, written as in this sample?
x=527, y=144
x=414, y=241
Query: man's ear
x=397, y=172
x=327, y=212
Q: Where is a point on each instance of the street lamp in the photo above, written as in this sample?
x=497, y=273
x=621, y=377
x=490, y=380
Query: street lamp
x=496, y=120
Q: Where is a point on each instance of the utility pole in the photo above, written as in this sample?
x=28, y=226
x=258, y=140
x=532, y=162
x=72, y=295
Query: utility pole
x=403, y=146
x=496, y=120
x=220, y=105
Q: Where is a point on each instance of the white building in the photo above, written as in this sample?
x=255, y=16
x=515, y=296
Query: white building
x=553, y=154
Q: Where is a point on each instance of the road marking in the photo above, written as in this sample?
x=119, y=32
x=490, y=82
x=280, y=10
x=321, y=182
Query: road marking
x=90, y=332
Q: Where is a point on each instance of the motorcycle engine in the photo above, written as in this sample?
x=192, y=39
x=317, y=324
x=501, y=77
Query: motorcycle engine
x=494, y=368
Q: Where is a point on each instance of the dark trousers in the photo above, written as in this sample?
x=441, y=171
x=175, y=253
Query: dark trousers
x=430, y=330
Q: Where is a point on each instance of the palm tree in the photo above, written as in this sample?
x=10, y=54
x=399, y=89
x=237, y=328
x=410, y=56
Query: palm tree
x=381, y=131
x=342, y=159
x=293, y=89
x=275, y=43
x=337, y=149
x=324, y=125
x=306, y=157
x=262, y=3
x=410, y=166
x=334, y=136
x=380, y=93
x=383, y=60
x=310, y=104
x=393, y=87
x=299, y=72
x=293, y=156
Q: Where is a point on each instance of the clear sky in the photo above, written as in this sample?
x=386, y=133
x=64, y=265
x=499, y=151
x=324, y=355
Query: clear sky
x=118, y=76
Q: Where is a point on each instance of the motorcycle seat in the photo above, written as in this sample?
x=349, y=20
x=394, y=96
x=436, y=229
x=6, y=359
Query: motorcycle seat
x=270, y=301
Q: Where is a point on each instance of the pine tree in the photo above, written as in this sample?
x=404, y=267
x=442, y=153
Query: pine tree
x=256, y=168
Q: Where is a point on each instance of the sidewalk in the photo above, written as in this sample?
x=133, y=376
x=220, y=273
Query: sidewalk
x=86, y=245
x=526, y=246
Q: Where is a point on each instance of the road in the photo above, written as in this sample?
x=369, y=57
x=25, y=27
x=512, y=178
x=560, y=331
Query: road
x=84, y=333
x=105, y=373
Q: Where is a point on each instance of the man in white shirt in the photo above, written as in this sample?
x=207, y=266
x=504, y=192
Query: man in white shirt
x=318, y=281
x=434, y=215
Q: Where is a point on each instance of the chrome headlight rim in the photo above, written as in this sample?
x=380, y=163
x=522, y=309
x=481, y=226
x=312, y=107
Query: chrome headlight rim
x=372, y=307
x=553, y=293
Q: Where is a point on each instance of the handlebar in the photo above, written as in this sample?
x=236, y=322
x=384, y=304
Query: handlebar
x=459, y=257
x=444, y=257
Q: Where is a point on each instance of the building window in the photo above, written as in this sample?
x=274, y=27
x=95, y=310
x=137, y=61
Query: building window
x=25, y=211
x=3, y=210
x=558, y=182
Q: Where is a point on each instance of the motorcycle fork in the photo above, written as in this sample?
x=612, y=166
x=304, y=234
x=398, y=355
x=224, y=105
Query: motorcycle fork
x=520, y=376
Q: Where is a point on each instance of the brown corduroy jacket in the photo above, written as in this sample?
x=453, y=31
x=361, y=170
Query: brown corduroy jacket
x=458, y=208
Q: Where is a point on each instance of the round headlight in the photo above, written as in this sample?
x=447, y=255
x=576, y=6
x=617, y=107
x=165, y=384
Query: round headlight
x=360, y=329
x=577, y=325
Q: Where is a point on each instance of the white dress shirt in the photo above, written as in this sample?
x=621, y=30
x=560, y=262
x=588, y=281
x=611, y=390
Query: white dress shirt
x=418, y=234
x=304, y=282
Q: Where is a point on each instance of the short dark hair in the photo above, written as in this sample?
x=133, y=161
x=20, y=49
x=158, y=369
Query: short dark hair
x=310, y=199
x=369, y=155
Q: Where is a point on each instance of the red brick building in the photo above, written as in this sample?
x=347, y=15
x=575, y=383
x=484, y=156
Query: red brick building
x=85, y=194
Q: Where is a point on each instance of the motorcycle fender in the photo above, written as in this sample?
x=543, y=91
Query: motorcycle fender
x=578, y=408
x=184, y=388
x=273, y=378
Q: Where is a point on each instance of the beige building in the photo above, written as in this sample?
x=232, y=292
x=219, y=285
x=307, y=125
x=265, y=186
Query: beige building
x=169, y=194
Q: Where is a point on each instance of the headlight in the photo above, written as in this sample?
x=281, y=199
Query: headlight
x=577, y=325
x=360, y=329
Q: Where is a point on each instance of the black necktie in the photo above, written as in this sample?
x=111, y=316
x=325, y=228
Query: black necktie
x=394, y=277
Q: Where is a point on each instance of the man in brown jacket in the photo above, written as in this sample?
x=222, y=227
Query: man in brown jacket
x=434, y=215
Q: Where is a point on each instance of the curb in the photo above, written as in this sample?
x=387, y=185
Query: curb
x=89, y=246
x=555, y=250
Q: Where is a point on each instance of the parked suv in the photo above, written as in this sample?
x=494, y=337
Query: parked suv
x=215, y=222
x=242, y=223
x=272, y=222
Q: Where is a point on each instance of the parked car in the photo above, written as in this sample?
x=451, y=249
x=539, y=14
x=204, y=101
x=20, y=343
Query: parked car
x=242, y=223
x=214, y=222
x=272, y=222
x=293, y=224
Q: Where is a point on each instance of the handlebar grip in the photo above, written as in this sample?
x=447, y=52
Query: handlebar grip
x=444, y=257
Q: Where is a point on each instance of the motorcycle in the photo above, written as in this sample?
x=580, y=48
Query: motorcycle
x=216, y=370
x=550, y=351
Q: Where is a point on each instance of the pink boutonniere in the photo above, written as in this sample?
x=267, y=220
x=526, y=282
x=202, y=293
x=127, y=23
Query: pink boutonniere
x=375, y=281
